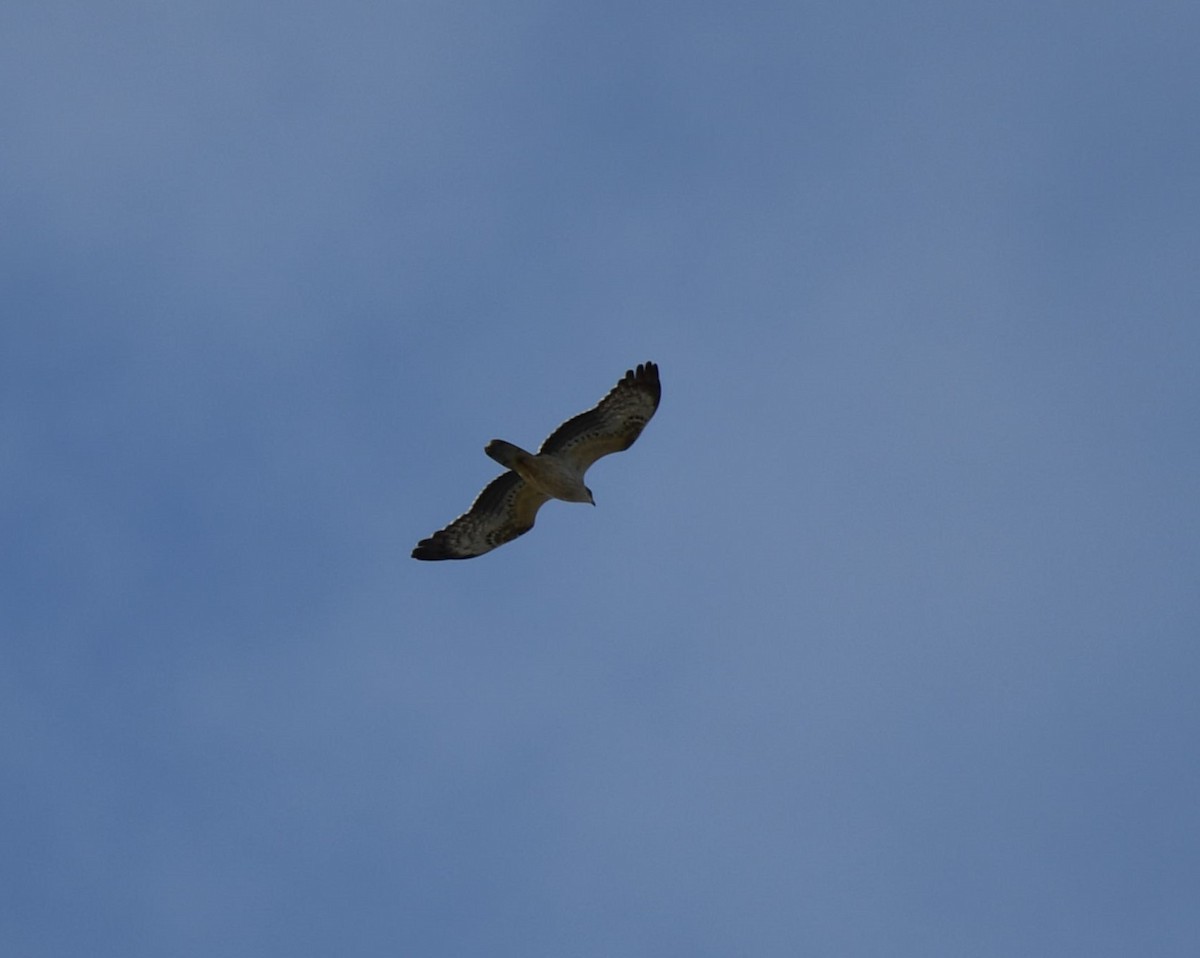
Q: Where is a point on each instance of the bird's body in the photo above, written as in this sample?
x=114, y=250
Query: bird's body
x=509, y=503
x=548, y=473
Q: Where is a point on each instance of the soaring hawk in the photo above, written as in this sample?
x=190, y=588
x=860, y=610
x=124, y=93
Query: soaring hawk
x=509, y=503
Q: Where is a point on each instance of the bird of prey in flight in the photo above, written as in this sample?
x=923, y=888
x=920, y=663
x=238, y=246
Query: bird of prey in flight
x=509, y=503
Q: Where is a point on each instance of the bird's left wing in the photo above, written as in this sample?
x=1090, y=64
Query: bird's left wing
x=504, y=510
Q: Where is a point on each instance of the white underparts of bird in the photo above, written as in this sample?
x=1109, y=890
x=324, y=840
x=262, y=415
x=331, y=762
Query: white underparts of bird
x=508, y=505
x=552, y=474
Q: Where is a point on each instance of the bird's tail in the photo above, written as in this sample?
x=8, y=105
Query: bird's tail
x=506, y=453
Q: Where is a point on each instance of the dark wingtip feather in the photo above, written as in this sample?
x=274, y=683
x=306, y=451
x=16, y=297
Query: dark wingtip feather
x=646, y=376
x=433, y=549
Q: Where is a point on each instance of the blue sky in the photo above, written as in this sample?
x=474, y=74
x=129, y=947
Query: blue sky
x=881, y=640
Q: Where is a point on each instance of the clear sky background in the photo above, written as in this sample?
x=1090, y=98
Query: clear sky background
x=882, y=640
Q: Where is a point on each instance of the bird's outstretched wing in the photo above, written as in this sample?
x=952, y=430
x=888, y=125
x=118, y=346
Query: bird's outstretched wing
x=504, y=510
x=612, y=424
